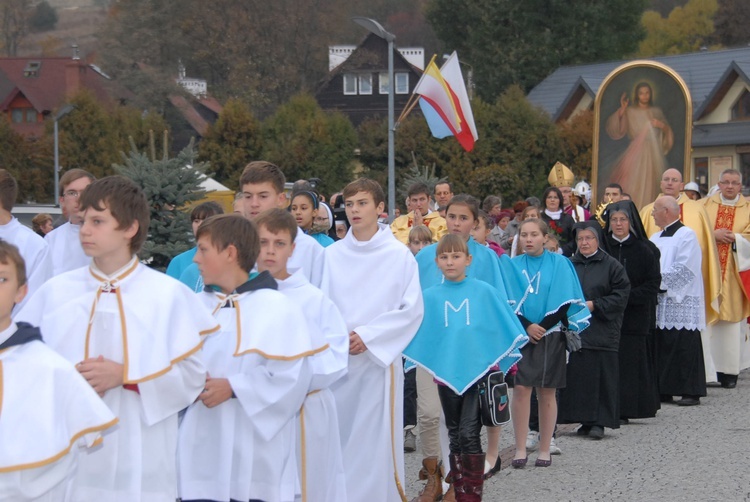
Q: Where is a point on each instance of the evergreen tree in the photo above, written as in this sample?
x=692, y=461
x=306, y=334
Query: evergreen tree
x=231, y=143
x=169, y=184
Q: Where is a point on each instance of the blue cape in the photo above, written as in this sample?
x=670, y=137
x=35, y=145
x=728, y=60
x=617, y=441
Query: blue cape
x=556, y=285
x=466, y=330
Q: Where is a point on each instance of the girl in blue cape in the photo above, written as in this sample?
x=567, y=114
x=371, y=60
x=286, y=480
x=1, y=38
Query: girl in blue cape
x=462, y=216
x=467, y=329
x=553, y=299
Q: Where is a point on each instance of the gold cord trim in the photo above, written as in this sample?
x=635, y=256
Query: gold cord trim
x=58, y=456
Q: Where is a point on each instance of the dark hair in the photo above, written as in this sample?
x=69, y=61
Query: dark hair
x=224, y=230
x=206, y=210
x=71, y=175
x=9, y=254
x=277, y=220
x=452, y=243
x=310, y=195
x=418, y=188
x=491, y=201
x=615, y=185
x=489, y=221
x=444, y=182
x=650, y=93
x=540, y=223
x=520, y=206
x=547, y=192
x=365, y=185
x=465, y=200
x=261, y=171
x=8, y=190
x=125, y=200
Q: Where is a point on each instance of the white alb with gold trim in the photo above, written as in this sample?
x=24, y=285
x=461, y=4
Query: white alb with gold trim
x=244, y=448
x=319, y=462
x=48, y=414
x=152, y=324
x=375, y=285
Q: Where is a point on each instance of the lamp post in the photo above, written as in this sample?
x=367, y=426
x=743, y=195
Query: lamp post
x=60, y=114
x=374, y=27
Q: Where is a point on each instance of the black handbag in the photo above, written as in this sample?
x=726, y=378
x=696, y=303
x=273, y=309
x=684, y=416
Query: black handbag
x=572, y=338
x=494, y=404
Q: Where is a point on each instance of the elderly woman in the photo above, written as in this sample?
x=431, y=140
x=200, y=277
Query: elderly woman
x=627, y=242
x=591, y=396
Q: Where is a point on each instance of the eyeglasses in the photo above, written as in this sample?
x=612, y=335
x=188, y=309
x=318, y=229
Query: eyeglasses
x=618, y=220
x=73, y=194
x=730, y=183
x=585, y=238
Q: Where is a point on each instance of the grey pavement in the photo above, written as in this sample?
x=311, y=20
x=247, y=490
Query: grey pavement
x=698, y=453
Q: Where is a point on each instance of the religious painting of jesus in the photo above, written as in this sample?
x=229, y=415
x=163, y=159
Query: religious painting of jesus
x=642, y=127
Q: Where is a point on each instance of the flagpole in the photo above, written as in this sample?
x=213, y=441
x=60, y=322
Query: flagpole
x=412, y=102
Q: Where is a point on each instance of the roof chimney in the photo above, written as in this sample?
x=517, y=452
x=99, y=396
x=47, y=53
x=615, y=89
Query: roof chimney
x=76, y=55
x=74, y=71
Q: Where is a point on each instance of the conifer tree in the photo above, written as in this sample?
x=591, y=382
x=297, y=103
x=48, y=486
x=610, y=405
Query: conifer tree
x=170, y=184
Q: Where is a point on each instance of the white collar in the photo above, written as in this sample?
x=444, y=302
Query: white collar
x=729, y=202
x=555, y=215
x=621, y=240
x=590, y=255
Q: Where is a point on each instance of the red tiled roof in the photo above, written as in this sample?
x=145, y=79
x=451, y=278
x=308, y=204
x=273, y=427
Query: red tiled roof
x=190, y=113
x=211, y=103
x=56, y=80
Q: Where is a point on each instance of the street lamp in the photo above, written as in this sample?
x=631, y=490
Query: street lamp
x=374, y=27
x=60, y=114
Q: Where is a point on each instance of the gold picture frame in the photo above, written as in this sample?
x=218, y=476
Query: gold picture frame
x=642, y=126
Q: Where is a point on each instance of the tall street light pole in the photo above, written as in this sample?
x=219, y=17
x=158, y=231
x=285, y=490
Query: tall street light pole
x=60, y=114
x=374, y=27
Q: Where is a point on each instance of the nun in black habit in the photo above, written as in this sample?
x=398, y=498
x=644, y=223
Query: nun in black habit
x=627, y=242
x=591, y=396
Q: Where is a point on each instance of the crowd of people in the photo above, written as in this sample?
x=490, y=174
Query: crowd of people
x=302, y=346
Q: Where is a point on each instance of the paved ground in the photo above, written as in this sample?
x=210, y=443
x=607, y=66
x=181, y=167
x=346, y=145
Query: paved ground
x=699, y=453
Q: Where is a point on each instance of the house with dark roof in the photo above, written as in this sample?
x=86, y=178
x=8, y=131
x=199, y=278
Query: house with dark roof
x=32, y=88
x=357, y=82
x=719, y=86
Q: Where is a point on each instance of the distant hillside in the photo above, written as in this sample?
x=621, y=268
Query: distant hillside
x=76, y=24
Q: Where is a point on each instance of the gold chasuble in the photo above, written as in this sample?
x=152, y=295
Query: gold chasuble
x=734, y=303
x=694, y=216
x=401, y=226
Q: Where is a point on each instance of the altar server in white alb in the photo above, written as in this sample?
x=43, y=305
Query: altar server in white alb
x=319, y=464
x=33, y=249
x=133, y=333
x=65, y=250
x=49, y=413
x=237, y=441
x=373, y=280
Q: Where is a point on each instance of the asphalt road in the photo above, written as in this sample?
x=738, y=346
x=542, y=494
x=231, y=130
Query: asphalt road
x=699, y=453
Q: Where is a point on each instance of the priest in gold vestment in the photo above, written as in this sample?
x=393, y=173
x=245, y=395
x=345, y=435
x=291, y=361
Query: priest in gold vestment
x=729, y=213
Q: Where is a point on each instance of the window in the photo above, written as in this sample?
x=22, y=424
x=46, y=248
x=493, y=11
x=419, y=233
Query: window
x=17, y=115
x=21, y=115
x=32, y=69
x=384, y=87
x=402, y=83
x=365, y=83
x=741, y=109
x=30, y=115
x=350, y=83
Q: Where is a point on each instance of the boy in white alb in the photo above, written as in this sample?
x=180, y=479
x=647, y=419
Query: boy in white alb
x=320, y=466
x=237, y=440
x=65, y=251
x=373, y=280
x=33, y=249
x=133, y=334
x=49, y=413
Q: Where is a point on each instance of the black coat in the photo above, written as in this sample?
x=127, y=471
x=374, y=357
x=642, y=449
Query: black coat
x=605, y=283
x=641, y=261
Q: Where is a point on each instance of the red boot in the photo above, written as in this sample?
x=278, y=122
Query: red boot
x=473, y=478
